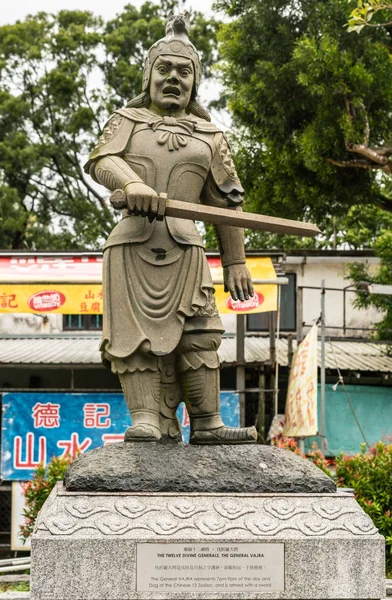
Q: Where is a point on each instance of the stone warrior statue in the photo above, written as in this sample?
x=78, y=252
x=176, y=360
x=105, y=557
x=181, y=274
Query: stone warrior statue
x=161, y=328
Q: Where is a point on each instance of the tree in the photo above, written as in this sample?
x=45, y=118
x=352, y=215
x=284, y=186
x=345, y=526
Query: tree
x=363, y=13
x=60, y=78
x=360, y=272
x=363, y=16
x=313, y=108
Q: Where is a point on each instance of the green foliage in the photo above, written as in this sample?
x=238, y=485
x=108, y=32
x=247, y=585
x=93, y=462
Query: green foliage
x=361, y=17
x=38, y=489
x=365, y=11
x=318, y=459
x=360, y=272
x=310, y=102
x=370, y=474
x=60, y=78
x=22, y=586
x=46, y=125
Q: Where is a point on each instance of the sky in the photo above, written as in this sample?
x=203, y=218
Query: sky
x=12, y=11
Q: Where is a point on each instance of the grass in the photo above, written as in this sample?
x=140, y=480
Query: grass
x=22, y=586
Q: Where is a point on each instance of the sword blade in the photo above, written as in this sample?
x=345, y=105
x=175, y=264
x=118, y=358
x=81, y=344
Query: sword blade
x=226, y=216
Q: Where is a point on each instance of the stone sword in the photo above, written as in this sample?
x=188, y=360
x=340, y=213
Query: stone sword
x=224, y=216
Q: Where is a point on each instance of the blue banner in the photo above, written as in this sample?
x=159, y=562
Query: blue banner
x=37, y=426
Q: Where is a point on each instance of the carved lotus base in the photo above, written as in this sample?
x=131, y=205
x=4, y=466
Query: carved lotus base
x=85, y=546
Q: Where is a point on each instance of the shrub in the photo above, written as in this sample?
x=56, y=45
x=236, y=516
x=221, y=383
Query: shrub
x=370, y=474
x=286, y=443
x=38, y=489
x=22, y=586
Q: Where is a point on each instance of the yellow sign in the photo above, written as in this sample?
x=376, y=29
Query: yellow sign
x=66, y=299
x=86, y=298
x=265, y=298
x=301, y=402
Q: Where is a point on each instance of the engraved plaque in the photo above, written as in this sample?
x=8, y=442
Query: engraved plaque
x=214, y=568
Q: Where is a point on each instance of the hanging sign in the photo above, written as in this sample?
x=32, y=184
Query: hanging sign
x=73, y=286
x=65, y=299
x=265, y=297
x=301, y=402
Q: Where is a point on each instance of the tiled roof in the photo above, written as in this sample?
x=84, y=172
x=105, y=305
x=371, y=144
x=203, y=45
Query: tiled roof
x=80, y=349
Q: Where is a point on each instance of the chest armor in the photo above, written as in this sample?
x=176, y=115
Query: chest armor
x=170, y=160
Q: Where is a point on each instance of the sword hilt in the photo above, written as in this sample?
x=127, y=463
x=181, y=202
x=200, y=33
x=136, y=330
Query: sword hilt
x=118, y=199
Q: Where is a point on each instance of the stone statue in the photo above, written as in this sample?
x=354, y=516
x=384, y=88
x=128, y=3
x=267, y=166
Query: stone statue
x=161, y=328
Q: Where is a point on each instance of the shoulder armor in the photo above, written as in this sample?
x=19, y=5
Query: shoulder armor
x=204, y=126
x=137, y=115
x=114, y=138
x=223, y=169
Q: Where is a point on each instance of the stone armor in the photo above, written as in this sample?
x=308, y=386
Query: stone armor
x=161, y=328
x=187, y=167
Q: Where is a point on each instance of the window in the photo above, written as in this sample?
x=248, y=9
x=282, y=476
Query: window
x=288, y=308
x=82, y=322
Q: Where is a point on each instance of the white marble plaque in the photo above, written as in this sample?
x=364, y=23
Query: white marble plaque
x=210, y=567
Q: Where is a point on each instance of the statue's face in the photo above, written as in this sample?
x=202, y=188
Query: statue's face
x=171, y=83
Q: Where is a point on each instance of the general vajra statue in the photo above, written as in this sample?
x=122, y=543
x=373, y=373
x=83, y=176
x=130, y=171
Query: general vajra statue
x=161, y=327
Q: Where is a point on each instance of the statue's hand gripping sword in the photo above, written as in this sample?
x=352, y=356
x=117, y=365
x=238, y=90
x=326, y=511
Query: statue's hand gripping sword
x=225, y=216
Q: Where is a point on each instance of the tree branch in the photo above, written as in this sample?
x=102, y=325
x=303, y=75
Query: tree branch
x=60, y=173
x=45, y=185
x=89, y=187
x=387, y=23
x=376, y=158
x=384, y=151
x=352, y=116
x=369, y=153
x=362, y=164
x=91, y=108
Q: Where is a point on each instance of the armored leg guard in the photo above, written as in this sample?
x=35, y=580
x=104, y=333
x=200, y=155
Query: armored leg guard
x=142, y=393
x=199, y=369
x=169, y=400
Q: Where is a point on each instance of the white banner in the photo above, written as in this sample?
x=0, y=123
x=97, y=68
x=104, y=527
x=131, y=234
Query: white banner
x=301, y=402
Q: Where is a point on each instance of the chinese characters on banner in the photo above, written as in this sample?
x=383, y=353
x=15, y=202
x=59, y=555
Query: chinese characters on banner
x=76, y=286
x=37, y=426
x=301, y=402
x=66, y=299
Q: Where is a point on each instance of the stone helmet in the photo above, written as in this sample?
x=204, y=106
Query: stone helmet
x=175, y=43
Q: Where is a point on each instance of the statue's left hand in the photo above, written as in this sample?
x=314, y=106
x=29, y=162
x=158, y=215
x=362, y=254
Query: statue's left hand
x=238, y=282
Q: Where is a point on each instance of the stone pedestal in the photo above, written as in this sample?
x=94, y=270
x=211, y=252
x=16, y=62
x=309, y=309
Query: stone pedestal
x=161, y=545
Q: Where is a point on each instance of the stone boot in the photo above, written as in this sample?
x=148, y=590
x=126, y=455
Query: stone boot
x=142, y=393
x=201, y=390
